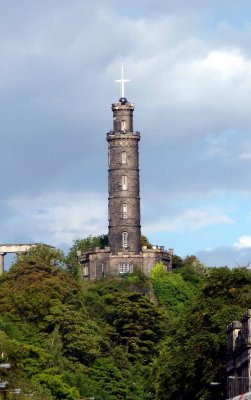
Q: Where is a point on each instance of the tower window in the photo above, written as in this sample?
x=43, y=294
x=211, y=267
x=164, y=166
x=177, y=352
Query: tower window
x=124, y=240
x=123, y=157
x=124, y=211
x=123, y=125
x=125, y=268
x=109, y=158
x=124, y=182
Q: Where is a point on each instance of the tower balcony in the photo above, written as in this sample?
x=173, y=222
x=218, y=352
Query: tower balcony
x=122, y=134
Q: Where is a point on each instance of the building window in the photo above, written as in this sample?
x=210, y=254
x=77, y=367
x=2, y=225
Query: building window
x=125, y=268
x=109, y=158
x=124, y=157
x=123, y=125
x=124, y=211
x=124, y=182
x=124, y=240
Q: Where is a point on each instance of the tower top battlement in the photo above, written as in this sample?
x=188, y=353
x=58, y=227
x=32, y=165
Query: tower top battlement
x=123, y=106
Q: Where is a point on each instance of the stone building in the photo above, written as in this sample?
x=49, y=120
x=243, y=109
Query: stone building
x=124, y=230
x=239, y=356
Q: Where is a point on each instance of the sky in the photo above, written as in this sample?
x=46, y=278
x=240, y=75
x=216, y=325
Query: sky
x=189, y=63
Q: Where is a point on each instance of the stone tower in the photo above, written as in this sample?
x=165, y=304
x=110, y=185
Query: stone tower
x=123, y=181
x=124, y=252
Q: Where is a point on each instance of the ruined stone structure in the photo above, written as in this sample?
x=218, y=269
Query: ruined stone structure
x=16, y=249
x=239, y=356
x=12, y=248
x=124, y=231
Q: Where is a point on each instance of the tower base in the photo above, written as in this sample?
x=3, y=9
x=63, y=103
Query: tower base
x=101, y=262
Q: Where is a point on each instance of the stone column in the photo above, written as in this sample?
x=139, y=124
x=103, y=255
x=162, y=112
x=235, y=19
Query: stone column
x=124, y=229
x=2, y=263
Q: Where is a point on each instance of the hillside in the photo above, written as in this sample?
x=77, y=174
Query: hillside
x=128, y=337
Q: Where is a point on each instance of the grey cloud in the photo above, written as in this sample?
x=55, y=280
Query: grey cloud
x=227, y=255
x=59, y=61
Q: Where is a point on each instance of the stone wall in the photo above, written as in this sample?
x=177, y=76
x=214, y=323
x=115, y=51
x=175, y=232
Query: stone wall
x=239, y=356
x=99, y=263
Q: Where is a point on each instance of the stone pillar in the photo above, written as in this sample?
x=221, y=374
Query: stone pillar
x=2, y=263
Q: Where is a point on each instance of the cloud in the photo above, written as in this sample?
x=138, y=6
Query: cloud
x=244, y=242
x=225, y=256
x=187, y=220
x=245, y=155
x=226, y=64
x=57, y=217
x=190, y=66
x=238, y=254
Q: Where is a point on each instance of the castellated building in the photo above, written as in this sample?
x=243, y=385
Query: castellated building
x=124, y=230
x=239, y=358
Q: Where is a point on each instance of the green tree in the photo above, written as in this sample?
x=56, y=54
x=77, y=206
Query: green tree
x=43, y=311
x=195, y=352
x=35, y=283
x=81, y=336
x=137, y=282
x=171, y=290
x=137, y=322
x=58, y=388
x=145, y=242
x=88, y=243
x=194, y=262
x=83, y=245
x=113, y=383
x=177, y=262
x=23, y=359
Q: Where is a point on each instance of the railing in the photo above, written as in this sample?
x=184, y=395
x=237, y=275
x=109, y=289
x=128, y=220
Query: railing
x=238, y=385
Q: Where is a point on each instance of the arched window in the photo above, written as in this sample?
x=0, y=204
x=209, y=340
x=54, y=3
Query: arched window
x=125, y=240
x=123, y=157
x=109, y=158
x=123, y=125
x=124, y=182
x=124, y=211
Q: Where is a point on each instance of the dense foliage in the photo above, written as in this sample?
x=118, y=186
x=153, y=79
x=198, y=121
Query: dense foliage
x=133, y=337
x=194, y=353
